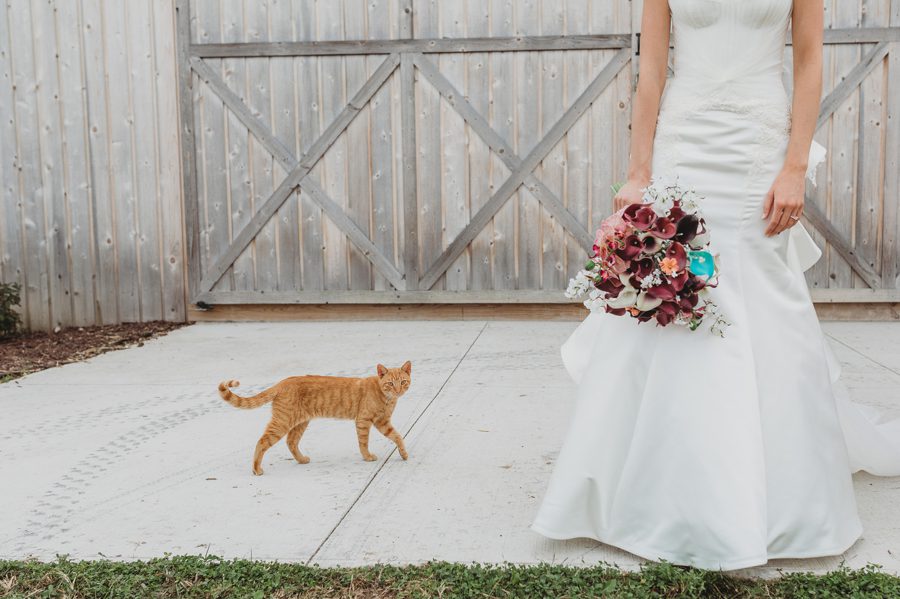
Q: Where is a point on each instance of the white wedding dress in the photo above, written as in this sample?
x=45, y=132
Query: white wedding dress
x=719, y=453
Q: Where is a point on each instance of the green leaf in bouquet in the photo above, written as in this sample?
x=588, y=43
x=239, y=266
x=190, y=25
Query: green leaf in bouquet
x=590, y=265
x=617, y=186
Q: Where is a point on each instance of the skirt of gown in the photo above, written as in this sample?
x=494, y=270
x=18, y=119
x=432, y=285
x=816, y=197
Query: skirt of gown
x=719, y=453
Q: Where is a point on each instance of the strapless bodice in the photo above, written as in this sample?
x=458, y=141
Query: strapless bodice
x=734, y=43
x=728, y=56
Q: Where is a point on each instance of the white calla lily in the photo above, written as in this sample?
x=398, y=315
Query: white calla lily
x=626, y=299
x=644, y=302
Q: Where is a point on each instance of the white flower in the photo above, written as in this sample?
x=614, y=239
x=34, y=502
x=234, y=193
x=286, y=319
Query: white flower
x=579, y=285
x=645, y=302
x=626, y=299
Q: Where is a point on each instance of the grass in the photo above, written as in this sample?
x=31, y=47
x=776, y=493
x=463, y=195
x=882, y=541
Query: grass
x=214, y=577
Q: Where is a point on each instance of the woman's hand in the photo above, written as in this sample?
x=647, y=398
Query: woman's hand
x=784, y=202
x=630, y=193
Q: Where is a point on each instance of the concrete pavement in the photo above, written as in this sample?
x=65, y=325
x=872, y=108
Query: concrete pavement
x=132, y=454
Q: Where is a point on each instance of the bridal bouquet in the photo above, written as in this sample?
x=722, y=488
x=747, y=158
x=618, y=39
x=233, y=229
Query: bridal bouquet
x=652, y=261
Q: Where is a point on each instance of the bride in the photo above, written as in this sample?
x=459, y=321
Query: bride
x=721, y=453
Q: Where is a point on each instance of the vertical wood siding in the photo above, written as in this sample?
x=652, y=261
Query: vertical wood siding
x=91, y=207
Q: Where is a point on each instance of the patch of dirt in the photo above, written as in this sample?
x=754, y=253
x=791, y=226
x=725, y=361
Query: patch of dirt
x=31, y=352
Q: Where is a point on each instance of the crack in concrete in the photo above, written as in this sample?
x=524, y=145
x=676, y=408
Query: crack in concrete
x=869, y=358
x=394, y=449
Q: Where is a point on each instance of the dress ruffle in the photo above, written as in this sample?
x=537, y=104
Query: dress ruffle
x=802, y=250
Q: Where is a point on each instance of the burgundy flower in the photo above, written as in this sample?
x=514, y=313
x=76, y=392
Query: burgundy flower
x=679, y=281
x=611, y=286
x=650, y=244
x=664, y=292
x=676, y=213
x=677, y=251
x=642, y=268
x=639, y=215
x=665, y=314
x=689, y=302
x=616, y=311
x=617, y=264
x=663, y=228
x=687, y=229
x=633, y=247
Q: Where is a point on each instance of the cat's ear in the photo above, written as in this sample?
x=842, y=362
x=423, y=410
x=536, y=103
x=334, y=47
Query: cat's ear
x=407, y=367
x=381, y=370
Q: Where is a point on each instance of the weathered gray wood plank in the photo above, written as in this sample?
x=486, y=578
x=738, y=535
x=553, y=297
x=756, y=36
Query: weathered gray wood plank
x=171, y=197
x=891, y=223
x=383, y=140
x=43, y=31
x=453, y=193
x=101, y=189
x=333, y=166
x=122, y=165
x=843, y=189
x=309, y=128
x=501, y=73
x=410, y=177
x=76, y=169
x=565, y=76
x=237, y=139
x=139, y=28
x=359, y=159
x=537, y=90
x=259, y=97
x=283, y=24
x=421, y=45
x=478, y=86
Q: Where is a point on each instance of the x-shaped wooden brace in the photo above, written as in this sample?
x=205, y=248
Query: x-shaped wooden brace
x=521, y=170
x=298, y=172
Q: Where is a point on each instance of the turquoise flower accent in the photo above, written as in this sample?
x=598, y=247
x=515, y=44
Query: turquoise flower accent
x=702, y=264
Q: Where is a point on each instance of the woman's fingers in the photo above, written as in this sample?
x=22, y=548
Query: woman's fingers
x=767, y=204
x=783, y=218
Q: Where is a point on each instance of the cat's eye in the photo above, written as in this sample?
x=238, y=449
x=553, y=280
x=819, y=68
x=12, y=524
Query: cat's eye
x=405, y=383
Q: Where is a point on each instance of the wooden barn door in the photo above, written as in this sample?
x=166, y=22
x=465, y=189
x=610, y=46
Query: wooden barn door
x=385, y=151
x=398, y=150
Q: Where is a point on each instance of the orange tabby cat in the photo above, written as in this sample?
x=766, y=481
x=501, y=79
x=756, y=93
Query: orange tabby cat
x=298, y=399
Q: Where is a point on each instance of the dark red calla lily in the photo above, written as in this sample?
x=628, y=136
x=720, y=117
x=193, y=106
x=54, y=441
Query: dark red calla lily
x=679, y=281
x=687, y=228
x=663, y=228
x=640, y=215
x=643, y=267
x=677, y=251
x=664, y=292
x=633, y=247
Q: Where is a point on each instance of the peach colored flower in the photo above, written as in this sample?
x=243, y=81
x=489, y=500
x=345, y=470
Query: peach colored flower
x=669, y=266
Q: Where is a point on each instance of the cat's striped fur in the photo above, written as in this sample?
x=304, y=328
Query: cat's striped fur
x=298, y=399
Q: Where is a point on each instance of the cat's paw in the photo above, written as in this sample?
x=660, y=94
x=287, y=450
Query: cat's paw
x=403, y=454
x=258, y=471
x=303, y=460
x=370, y=458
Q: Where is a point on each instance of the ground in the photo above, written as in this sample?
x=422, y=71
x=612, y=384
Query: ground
x=30, y=352
x=132, y=454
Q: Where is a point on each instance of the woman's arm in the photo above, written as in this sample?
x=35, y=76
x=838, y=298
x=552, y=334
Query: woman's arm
x=785, y=198
x=651, y=81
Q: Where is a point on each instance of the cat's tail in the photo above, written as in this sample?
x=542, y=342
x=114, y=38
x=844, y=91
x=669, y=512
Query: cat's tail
x=247, y=403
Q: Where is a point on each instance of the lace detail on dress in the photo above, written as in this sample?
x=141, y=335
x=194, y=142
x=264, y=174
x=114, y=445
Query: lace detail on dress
x=771, y=117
